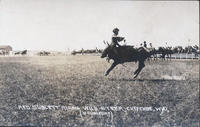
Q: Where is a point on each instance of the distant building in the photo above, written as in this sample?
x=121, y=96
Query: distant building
x=5, y=49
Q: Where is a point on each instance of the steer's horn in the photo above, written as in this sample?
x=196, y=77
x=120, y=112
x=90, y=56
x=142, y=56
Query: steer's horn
x=107, y=43
x=104, y=42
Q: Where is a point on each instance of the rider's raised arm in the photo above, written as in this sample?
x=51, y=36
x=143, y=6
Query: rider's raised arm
x=118, y=44
x=120, y=38
x=115, y=40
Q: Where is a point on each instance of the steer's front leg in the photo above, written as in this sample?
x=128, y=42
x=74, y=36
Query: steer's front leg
x=111, y=67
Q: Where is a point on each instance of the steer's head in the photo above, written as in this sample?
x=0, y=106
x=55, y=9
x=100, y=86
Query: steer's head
x=105, y=51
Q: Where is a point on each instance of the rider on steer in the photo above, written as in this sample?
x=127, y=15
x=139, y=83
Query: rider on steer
x=145, y=46
x=115, y=40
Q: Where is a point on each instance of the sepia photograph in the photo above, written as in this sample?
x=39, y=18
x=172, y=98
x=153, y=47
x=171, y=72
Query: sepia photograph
x=99, y=63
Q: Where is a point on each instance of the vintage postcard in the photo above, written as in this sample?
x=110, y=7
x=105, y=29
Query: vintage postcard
x=93, y=63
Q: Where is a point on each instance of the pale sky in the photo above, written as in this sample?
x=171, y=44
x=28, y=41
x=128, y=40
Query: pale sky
x=76, y=24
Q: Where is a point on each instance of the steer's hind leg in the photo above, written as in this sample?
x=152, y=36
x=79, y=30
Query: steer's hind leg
x=136, y=71
x=141, y=65
x=110, y=69
x=137, y=68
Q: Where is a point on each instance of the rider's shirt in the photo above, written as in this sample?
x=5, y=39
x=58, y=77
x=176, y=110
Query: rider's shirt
x=145, y=45
x=115, y=40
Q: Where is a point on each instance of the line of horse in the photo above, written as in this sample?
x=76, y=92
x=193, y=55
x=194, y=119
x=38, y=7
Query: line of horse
x=43, y=53
x=87, y=51
x=4, y=53
x=25, y=52
x=160, y=52
x=166, y=52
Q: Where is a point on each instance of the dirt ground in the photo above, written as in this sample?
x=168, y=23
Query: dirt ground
x=79, y=81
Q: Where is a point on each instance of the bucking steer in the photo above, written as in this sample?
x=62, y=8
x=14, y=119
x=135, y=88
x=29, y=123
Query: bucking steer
x=126, y=54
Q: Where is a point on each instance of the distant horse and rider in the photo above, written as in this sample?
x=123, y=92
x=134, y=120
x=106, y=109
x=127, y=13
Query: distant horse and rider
x=165, y=52
x=24, y=52
x=121, y=54
x=44, y=53
x=87, y=51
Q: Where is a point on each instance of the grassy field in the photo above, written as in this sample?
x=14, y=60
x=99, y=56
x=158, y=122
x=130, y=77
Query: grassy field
x=80, y=81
